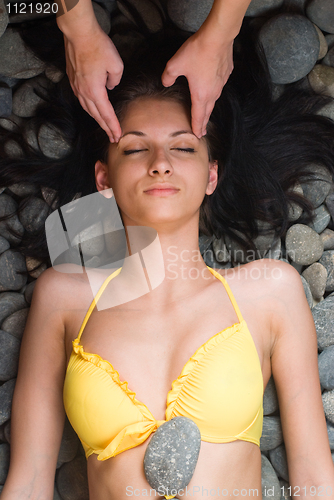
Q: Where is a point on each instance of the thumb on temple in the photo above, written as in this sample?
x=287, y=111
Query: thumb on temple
x=167, y=78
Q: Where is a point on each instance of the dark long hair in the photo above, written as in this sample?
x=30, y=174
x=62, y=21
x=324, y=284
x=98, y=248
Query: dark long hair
x=263, y=146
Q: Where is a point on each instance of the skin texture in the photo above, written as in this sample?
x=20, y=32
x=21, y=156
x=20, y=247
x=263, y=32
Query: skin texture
x=93, y=63
x=149, y=340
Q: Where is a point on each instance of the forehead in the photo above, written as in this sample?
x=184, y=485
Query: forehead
x=155, y=112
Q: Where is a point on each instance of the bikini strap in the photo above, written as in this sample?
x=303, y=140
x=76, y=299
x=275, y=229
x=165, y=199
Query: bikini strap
x=229, y=291
x=95, y=300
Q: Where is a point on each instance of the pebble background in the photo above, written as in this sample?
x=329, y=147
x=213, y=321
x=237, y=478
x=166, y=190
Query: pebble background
x=298, y=37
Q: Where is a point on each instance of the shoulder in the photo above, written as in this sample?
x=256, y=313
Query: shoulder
x=277, y=278
x=69, y=289
x=59, y=288
x=274, y=286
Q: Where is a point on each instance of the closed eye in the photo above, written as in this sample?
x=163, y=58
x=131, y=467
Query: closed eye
x=132, y=151
x=186, y=150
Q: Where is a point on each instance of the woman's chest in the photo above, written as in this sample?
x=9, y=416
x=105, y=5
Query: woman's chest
x=152, y=350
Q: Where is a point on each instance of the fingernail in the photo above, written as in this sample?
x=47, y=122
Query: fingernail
x=111, y=139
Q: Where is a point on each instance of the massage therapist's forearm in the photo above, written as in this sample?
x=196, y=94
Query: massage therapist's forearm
x=225, y=19
x=78, y=21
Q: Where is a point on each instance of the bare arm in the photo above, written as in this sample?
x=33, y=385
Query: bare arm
x=37, y=411
x=92, y=63
x=206, y=59
x=296, y=375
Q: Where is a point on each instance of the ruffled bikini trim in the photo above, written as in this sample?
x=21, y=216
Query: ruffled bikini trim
x=195, y=359
x=177, y=385
x=108, y=367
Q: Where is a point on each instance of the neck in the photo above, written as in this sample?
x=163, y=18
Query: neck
x=164, y=267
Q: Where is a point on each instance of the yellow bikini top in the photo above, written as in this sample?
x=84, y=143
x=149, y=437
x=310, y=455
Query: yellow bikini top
x=220, y=388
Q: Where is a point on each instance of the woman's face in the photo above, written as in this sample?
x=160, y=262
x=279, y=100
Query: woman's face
x=157, y=150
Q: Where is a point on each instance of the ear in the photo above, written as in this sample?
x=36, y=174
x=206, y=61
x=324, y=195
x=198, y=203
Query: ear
x=213, y=177
x=101, y=178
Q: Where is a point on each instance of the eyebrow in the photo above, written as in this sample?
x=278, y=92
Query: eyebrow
x=174, y=134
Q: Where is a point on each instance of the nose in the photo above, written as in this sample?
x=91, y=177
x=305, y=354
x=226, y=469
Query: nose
x=160, y=162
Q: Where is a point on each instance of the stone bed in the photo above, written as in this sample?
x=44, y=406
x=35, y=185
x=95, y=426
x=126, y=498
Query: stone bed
x=298, y=38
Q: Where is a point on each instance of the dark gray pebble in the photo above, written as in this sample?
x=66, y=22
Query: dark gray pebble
x=269, y=480
x=330, y=203
x=272, y=435
x=329, y=58
x=220, y=250
x=327, y=237
x=321, y=13
x=307, y=289
x=171, y=455
x=279, y=461
x=68, y=446
x=34, y=213
x=330, y=41
x=4, y=462
x=13, y=149
x=3, y=17
x=72, y=480
x=25, y=99
x=4, y=244
x=29, y=291
x=6, y=428
x=270, y=401
x=16, y=322
x=323, y=316
x=7, y=207
x=9, y=303
x=11, y=122
x=16, y=60
x=316, y=276
x=10, y=82
x=327, y=260
x=291, y=45
x=5, y=101
x=328, y=404
x=318, y=186
x=23, y=189
x=238, y=252
x=189, y=15
x=330, y=432
x=12, y=263
x=9, y=356
x=52, y=142
x=326, y=367
x=303, y=244
x=6, y=396
x=321, y=219
x=262, y=7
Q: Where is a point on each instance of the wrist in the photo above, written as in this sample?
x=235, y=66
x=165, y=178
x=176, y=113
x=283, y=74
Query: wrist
x=78, y=24
x=224, y=21
x=219, y=33
x=216, y=36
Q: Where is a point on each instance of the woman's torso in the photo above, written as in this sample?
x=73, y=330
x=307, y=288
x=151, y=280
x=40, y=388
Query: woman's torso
x=149, y=350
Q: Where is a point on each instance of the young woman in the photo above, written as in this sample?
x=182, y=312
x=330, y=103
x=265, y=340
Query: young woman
x=203, y=343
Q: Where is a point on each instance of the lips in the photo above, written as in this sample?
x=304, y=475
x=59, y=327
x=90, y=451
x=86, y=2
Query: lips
x=161, y=187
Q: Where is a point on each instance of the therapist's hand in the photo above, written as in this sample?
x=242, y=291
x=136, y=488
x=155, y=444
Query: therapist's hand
x=207, y=65
x=92, y=63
